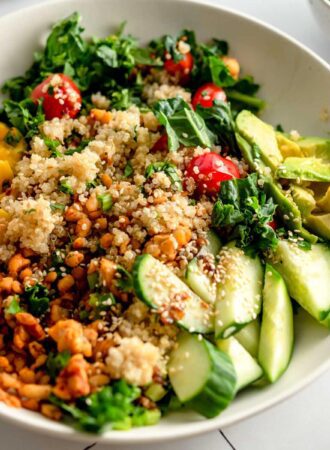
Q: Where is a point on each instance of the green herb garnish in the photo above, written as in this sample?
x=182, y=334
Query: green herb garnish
x=37, y=299
x=106, y=201
x=169, y=169
x=57, y=362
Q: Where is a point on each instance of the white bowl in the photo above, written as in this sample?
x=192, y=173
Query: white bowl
x=321, y=11
x=295, y=83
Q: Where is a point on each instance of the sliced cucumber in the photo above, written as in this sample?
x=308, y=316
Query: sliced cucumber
x=155, y=392
x=246, y=367
x=202, y=376
x=249, y=337
x=239, y=293
x=276, y=334
x=157, y=286
x=195, y=276
x=307, y=276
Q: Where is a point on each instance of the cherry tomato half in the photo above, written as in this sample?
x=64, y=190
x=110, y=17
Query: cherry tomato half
x=182, y=67
x=209, y=170
x=60, y=96
x=161, y=144
x=206, y=94
x=272, y=224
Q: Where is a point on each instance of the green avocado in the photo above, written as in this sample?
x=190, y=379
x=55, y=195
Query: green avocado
x=260, y=134
x=319, y=224
x=287, y=146
x=305, y=169
x=324, y=202
x=287, y=209
x=315, y=146
x=304, y=199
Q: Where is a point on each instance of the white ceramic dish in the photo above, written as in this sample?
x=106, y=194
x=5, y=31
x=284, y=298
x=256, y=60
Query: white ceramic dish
x=295, y=83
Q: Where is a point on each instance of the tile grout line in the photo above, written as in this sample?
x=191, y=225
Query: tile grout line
x=226, y=439
x=90, y=446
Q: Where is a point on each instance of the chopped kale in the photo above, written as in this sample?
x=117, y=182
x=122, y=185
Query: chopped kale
x=57, y=362
x=37, y=297
x=169, y=169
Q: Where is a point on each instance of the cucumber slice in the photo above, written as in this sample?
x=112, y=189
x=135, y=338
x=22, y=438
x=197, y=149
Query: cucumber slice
x=157, y=286
x=202, y=376
x=307, y=276
x=247, y=369
x=249, y=337
x=155, y=392
x=276, y=334
x=239, y=293
x=195, y=277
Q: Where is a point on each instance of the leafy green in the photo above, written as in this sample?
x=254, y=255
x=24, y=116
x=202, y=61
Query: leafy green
x=83, y=144
x=125, y=280
x=14, y=306
x=104, y=65
x=243, y=212
x=182, y=124
x=169, y=169
x=106, y=201
x=219, y=119
x=128, y=171
x=65, y=187
x=37, y=299
x=100, y=302
x=52, y=145
x=57, y=207
x=25, y=115
x=111, y=407
x=56, y=362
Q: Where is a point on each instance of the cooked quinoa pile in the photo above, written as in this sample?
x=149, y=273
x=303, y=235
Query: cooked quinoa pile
x=95, y=177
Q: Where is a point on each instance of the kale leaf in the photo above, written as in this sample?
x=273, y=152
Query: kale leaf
x=243, y=212
x=13, y=307
x=25, y=115
x=182, y=124
x=111, y=407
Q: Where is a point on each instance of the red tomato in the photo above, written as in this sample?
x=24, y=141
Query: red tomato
x=209, y=170
x=183, y=67
x=60, y=96
x=273, y=224
x=206, y=94
x=161, y=144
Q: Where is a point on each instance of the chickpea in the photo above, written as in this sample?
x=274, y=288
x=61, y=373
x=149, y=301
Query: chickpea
x=101, y=223
x=79, y=243
x=106, y=180
x=182, y=235
x=83, y=227
x=73, y=259
x=6, y=284
x=25, y=273
x=16, y=264
x=107, y=270
x=17, y=287
x=92, y=203
x=51, y=277
x=100, y=115
x=74, y=213
x=106, y=240
x=233, y=66
x=65, y=283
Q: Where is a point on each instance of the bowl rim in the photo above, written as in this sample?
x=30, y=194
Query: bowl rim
x=186, y=430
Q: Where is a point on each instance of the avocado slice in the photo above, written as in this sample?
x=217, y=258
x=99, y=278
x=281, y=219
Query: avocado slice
x=260, y=134
x=315, y=146
x=287, y=146
x=324, y=201
x=304, y=199
x=306, y=169
x=287, y=208
x=319, y=224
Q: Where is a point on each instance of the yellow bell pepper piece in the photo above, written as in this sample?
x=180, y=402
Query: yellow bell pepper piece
x=11, y=152
x=6, y=172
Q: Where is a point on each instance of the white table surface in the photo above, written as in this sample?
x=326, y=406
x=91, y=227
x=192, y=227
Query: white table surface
x=300, y=423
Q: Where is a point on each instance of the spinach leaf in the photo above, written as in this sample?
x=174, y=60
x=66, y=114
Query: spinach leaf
x=219, y=119
x=243, y=212
x=37, y=298
x=182, y=124
x=111, y=407
x=169, y=169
